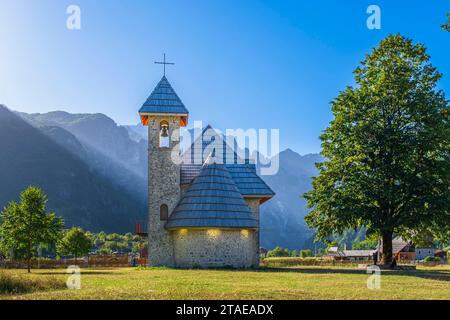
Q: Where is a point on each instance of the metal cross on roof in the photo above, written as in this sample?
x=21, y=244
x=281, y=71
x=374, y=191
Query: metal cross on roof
x=164, y=63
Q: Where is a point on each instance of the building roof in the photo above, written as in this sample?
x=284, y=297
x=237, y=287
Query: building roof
x=164, y=99
x=212, y=201
x=242, y=171
x=210, y=140
x=243, y=175
x=351, y=253
x=248, y=181
x=358, y=253
x=398, y=244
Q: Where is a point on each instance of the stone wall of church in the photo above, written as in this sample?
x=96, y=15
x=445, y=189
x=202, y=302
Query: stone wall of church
x=254, y=204
x=214, y=248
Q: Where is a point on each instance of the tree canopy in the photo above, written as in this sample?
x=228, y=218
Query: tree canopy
x=387, y=164
x=75, y=242
x=27, y=224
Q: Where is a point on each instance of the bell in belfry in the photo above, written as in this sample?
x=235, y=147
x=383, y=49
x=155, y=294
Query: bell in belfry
x=165, y=132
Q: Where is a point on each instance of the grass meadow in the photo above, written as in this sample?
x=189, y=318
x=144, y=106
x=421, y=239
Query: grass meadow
x=266, y=283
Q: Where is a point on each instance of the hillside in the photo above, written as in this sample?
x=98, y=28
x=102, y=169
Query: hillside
x=282, y=218
x=100, y=133
x=100, y=143
x=77, y=193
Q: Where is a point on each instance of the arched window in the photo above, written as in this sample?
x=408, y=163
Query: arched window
x=164, y=139
x=163, y=212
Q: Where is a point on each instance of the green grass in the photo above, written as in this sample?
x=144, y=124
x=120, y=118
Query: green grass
x=284, y=283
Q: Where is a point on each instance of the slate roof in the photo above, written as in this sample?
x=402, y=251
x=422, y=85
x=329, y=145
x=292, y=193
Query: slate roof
x=398, y=244
x=242, y=171
x=212, y=201
x=164, y=100
x=213, y=141
x=358, y=253
x=248, y=181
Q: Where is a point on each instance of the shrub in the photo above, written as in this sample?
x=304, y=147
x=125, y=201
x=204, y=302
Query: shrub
x=278, y=252
x=431, y=258
x=306, y=253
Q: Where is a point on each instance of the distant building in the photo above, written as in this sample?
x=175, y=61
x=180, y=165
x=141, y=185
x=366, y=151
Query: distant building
x=263, y=252
x=333, y=249
x=422, y=253
x=402, y=250
x=441, y=254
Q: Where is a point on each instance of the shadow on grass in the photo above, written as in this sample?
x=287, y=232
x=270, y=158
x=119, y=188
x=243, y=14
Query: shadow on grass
x=425, y=274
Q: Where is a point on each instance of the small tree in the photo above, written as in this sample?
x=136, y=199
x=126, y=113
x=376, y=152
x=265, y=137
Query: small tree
x=76, y=242
x=26, y=225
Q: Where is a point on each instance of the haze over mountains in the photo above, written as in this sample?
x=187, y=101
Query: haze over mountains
x=82, y=196
x=95, y=174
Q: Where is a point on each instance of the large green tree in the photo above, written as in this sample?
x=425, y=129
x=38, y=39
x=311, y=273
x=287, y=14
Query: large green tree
x=76, y=242
x=27, y=224
x=387, y=161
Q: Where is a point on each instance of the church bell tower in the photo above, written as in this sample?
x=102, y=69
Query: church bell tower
x=164, y=114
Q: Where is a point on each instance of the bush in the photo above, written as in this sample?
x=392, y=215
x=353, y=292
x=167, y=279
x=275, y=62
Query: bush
x=305, y=253
x=17, y=284
x=431, y=259
x=278, y=252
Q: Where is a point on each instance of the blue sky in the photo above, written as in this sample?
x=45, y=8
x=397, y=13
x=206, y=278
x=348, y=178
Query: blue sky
x=239, y=64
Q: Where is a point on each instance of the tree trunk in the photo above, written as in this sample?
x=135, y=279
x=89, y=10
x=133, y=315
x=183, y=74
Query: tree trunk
x=387, y=248
x=29, y=257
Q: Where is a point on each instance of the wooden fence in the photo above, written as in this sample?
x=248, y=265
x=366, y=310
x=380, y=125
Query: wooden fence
x=108, y=260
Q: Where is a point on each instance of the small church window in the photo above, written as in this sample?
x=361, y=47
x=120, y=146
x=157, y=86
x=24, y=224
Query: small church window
x=164, y=141
x=164, y=212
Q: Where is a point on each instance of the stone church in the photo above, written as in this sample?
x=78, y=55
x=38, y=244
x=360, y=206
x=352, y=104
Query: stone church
x=201, y=213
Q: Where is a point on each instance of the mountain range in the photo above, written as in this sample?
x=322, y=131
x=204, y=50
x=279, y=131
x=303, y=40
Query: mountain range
x=55, y=160
x=94, y=172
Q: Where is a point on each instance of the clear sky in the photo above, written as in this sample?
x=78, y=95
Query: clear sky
x=239, y=64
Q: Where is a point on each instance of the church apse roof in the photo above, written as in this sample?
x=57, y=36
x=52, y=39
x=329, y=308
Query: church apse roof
x=212, y=201
x=244, y=176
